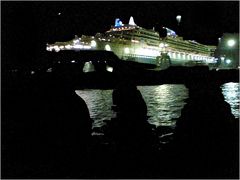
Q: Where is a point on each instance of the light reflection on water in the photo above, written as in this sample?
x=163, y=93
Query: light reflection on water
x=164, y=102
x=231, y=93
x=99, y=103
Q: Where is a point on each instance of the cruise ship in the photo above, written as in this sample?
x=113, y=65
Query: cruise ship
x=131, y=42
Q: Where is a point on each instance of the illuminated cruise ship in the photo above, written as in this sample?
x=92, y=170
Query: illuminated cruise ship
x=134, y=43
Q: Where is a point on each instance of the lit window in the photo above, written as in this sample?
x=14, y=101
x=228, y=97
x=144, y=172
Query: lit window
x=170, y=54
x=231, y=42
x=93, y=43
x=78, y=46
x=174, y=55
x=68, y=46
x=126, y=51
x=161, y=45
x=178, y=55
x=228, y=61
x=184, y=56
x=107, y=47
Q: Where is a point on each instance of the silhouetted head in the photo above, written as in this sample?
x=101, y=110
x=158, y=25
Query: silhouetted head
x=64, y=75
x=204, y=88
x=126, y=86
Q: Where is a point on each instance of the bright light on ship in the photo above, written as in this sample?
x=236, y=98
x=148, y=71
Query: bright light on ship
x=231, y=42
x=178, y=18
x=147, y=52
x=107, y=47
x=161, y=45
x=178, y=55
x=184, y=56
x=228, y=61
x=209, y=60
x=143, y=50
x=78, y=46
x=86, y=47
x=76, y=41
x=170, y=54
x=174, y=55
x=56, y=48
x=135, y=41
x=109, y=69
x=68, y=46
x=126, y=51
x=131, y=21
x=93, y=43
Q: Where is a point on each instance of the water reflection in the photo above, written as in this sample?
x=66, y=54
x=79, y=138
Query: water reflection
x=231, y=93
x=164, y=103
x=99, y=103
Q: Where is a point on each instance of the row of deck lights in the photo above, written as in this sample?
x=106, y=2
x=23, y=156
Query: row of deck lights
x=126, y=50
x=76, y=45
x=156, y=53
x=189, y=56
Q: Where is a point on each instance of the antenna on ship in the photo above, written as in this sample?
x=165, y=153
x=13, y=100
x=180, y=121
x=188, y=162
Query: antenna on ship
x=131, y=21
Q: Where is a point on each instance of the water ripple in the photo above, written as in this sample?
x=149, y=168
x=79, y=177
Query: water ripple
x=231, y=93
x=164, y=102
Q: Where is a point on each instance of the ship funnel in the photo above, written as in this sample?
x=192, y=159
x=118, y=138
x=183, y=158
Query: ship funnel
x=131, y=21
x=118, y=22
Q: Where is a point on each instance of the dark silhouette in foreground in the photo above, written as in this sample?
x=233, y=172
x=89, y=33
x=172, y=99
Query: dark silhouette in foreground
x=206, y=137
x=130, y=131
x=48, y=126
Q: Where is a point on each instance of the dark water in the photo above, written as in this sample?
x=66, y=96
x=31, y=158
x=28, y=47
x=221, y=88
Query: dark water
x=164, y=102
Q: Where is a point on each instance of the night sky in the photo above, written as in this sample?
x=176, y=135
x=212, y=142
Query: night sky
x=28, y=26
